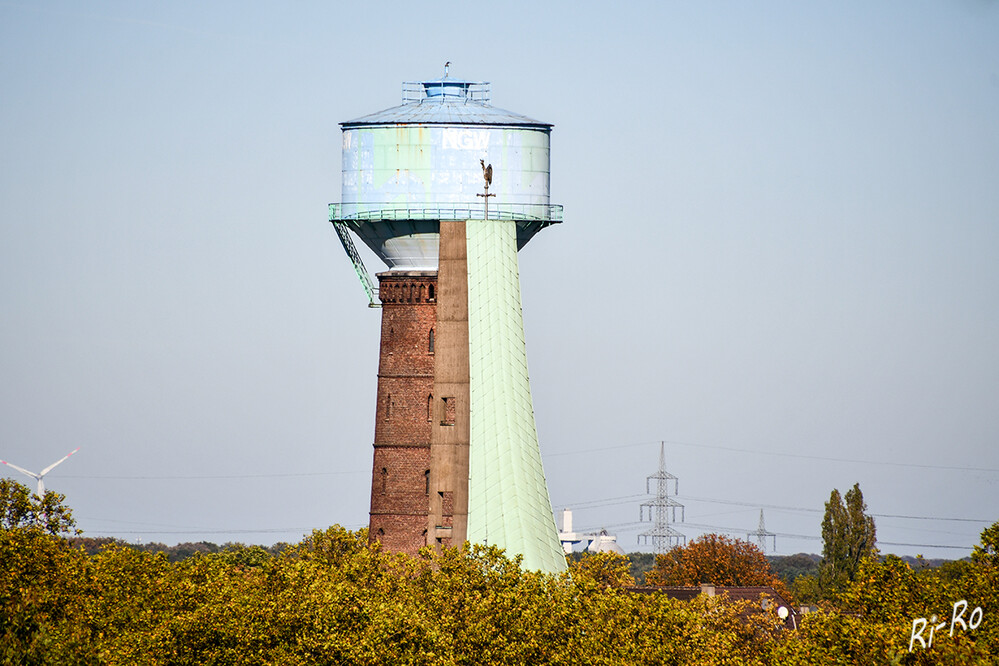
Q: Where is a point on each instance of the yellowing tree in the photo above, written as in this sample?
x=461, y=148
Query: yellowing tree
x=716, y=560
x=605, y=569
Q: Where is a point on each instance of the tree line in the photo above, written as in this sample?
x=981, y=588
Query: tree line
x=333, y=598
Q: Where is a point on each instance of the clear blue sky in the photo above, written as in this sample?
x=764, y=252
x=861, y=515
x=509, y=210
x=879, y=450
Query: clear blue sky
x=780, y=255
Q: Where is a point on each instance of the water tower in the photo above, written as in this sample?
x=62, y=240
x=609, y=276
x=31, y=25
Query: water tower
x=456, y=452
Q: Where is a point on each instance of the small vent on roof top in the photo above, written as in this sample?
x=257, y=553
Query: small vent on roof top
x=445, y=90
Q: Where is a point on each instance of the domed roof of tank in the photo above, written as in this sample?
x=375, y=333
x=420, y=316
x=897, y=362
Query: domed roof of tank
x=446, y=101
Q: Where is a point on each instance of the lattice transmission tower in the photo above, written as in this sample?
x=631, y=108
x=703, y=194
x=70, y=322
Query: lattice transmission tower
x=761, y=534
x=660, y=509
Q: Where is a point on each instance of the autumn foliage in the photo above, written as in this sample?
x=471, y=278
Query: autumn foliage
x=715, y=560
x=333, y=598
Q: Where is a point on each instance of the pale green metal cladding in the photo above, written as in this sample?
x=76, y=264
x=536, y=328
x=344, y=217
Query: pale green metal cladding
x=429, y=171
x=434, y=164
x=508, y=504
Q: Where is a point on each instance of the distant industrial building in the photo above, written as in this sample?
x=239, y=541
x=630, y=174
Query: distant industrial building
x=599, y=542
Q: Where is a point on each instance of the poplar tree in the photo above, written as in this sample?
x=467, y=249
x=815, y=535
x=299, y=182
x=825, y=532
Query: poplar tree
x=848, y=537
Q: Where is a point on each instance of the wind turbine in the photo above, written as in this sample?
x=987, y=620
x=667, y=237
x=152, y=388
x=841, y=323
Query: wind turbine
x=38, y=477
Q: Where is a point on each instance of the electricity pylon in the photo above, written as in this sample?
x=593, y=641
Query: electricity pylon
x=761, y=534
x=660, y=508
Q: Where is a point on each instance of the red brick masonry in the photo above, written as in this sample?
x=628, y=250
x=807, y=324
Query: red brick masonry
x=400, y=474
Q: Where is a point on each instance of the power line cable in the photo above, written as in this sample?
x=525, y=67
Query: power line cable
x=611, y=501
x=275, y=530
x=210, y=476
x=809, y=537
x=554, y=455
x=782, y=454
x=954, y=520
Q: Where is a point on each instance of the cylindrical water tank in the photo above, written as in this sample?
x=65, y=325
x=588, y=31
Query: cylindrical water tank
x=410, y=166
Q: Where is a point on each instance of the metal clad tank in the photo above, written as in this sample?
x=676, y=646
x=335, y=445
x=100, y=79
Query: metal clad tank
x=408, y=167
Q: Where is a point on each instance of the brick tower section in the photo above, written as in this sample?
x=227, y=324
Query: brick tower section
x=400, y=479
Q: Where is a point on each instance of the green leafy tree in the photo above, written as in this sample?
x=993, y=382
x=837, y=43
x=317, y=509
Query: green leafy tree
x=987, y=552
x=641, y=564
x=790, y=567
x=22, y=509
x=848, y=536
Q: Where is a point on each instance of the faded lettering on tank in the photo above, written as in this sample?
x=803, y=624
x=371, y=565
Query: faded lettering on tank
x=465, y=139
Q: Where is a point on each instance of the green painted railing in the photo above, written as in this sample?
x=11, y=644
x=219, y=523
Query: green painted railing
x=444, y=211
